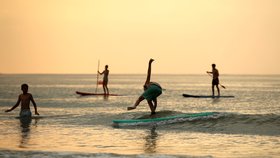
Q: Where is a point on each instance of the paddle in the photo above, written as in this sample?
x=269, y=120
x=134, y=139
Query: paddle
x=97, y=76
x=222, y=86
x=219, y=83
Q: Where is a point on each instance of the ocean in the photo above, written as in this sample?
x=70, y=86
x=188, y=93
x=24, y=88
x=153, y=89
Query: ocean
x=70, y=125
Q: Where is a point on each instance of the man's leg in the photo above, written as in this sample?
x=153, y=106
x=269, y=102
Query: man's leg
x=107, y=90
x=141, y=98
x=218, y=90
x=104, y=89
x=213, y=92
x=155, y=104
x=151, y=107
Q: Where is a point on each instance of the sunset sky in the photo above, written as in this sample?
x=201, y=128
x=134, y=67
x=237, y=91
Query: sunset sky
x=183, y=36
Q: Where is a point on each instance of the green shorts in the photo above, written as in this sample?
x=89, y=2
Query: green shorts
x=152, y=92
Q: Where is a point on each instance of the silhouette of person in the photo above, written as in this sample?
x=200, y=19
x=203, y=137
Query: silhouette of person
x=215, y=80
x=151, y=91
x=25, y=99
x=105, y=74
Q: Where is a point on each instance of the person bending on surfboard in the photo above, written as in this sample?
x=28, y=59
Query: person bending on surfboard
x=105, y=80
x=25, y=99
x=151, y=91
x=215, y=80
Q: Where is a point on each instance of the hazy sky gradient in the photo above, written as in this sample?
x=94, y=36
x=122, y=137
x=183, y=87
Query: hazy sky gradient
x=183, y=36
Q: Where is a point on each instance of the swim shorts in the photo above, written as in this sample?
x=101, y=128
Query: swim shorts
x=215, y=81
x=25, y=113
x=152, y=92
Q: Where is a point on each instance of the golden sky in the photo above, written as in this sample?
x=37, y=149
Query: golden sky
x=183, y=36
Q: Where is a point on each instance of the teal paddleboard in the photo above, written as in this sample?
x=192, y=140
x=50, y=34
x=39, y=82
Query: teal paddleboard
x=194, y=115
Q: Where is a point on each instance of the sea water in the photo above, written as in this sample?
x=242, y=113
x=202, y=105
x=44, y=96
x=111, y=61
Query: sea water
x=70, y=125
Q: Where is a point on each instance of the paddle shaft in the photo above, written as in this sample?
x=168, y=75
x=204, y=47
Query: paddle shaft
x=97, y=76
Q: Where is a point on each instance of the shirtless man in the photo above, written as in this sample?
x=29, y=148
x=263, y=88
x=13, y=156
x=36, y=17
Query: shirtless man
x=151, y=91
x=105, y=80
x=215, y=80
x=25, y=99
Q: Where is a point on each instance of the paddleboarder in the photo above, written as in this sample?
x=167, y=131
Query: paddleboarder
x=215, y=80
x=105, y=74
x=151, y=91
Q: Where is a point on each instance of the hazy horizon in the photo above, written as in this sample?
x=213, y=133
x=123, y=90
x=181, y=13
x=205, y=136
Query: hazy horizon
x=133, y=74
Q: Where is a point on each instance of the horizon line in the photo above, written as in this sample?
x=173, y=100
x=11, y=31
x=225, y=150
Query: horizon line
x=128, y=74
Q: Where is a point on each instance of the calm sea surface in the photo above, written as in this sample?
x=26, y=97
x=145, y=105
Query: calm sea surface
x=73, y=126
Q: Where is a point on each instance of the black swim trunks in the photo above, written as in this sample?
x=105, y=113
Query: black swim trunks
x=215, y=81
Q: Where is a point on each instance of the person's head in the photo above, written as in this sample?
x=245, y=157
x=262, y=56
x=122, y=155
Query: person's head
x=24, y=88
x=213, y=66
x=106, y=66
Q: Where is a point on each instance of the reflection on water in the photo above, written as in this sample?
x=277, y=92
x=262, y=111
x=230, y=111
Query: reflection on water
x=106, y=97
x=25, y=130
x=25, y=123
x=215, y=100
x=151, y=141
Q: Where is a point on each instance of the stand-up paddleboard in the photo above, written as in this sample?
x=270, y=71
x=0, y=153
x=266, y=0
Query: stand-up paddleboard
x=153, y=120
x=96, y=94
x=207, y=96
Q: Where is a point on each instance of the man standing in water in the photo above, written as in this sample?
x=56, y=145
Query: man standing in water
x=105, y=80
x=151, y=91
x=25, y=99
x=215, y=80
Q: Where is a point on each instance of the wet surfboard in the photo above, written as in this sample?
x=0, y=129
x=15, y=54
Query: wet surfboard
x=167, y=118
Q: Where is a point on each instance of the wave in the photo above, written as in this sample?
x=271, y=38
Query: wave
x=20, y=154
x=226, y=123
